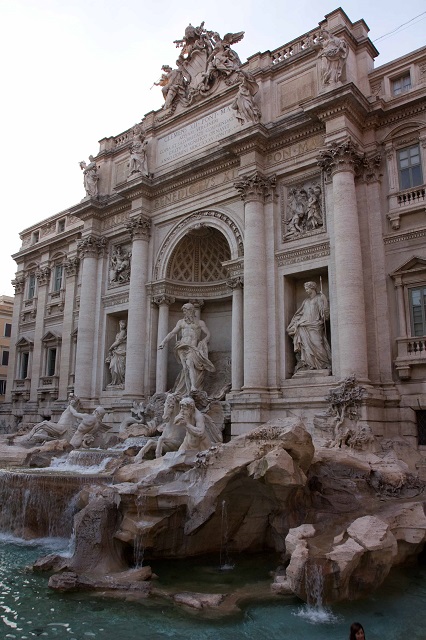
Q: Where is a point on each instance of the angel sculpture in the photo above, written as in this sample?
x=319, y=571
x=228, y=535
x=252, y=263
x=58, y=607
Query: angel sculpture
x=222, y=59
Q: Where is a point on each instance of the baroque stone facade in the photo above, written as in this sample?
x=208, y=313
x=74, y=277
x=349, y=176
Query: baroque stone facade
x=301, y=166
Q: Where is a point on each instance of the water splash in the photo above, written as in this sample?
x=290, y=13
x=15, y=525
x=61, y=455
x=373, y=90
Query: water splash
x=314, y=611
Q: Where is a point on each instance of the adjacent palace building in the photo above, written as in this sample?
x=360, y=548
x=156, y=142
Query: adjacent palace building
x=301, y=166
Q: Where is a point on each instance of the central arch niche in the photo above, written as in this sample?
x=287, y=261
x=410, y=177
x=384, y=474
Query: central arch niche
x=196, y=265
x=199, y=257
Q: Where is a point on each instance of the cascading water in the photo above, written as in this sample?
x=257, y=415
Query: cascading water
x=38, y=505
x=138, y=545
x=314, y=611
x=225, y=562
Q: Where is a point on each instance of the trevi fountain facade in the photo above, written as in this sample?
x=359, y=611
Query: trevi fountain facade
x=230, y=325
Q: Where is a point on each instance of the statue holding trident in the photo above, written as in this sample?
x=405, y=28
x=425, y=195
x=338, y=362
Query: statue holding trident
x=191, y=351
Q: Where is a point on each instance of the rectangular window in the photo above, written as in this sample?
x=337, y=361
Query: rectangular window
x=25, y=358
x=31, y=286
x=401, y=84
x=61, y=225
x=2, y=387
x=7, y=330
x=36, y=236
x=410, y=168
x=57, y=278
x=418, y=311
x=421, y=426
x=5, y=358
x=51, y=362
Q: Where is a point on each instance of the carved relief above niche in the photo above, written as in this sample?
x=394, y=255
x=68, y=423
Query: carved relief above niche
x=302, y=208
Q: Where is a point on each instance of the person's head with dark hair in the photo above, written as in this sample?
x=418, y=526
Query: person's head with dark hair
x=356, y=631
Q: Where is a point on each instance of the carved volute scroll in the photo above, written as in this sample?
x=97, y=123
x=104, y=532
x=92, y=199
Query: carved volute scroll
x=42, y=276
x=19, y=284
x=139, y=228
x=92, y=246
x=255, y=187
x=71, y=266
x=340, y=156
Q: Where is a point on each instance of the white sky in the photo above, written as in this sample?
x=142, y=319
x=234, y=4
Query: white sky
x=76, y=71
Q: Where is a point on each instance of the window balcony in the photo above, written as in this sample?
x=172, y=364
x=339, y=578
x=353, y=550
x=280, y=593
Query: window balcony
x=405, y=202
x=411, y=352
x=50, y=385
x=21, y=389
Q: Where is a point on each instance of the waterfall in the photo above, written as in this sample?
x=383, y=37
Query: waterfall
x=138, y=544
x=38, y=505
x=225, y=562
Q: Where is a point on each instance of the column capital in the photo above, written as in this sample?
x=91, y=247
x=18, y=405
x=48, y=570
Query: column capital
x=368, y=170
x=340, y=156
x=139, y=228
x=197, y=302
x=71, y=266
x=235, y=283
x=19, y=283
x=91, y=246
x=163, y=300
x=255, y=186
x=42, y=274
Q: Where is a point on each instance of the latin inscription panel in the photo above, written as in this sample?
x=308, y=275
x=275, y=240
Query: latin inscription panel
x=198, y=134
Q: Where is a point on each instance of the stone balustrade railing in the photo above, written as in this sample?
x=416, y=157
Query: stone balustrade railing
x=411, y=351
x=296, y=46
x=404, y=202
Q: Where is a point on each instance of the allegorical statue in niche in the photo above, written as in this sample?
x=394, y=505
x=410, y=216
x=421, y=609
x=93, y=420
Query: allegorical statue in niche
x=307, y=328
x=334, y=52
x=138, y=153
x=116, y=358
x=90, y=177
x=119, y=270
x=244, y=105
x=191, y=351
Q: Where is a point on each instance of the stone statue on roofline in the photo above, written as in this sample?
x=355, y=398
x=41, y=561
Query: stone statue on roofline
x=138, y=163
x=90, y=177
x=205, y=59
x=333, y=52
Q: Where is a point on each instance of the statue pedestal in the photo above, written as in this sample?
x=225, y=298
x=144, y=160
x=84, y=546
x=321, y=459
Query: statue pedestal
x=312, y=373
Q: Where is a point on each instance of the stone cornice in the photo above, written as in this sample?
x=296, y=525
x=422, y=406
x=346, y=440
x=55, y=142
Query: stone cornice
x=188, y=290
x=347, y=100
x=407, y=235
x=111, y=300
x=170, y=183
x=303, y=254
x=397, y=113
x=163, y=299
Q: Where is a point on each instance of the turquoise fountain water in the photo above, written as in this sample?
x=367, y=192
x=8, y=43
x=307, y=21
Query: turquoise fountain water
x=29, y=609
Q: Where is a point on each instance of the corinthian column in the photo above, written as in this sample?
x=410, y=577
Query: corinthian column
x=139, y=229
x=19, y=285
x=163, y=303
x=89, y=249
x=253, y=190
x=339, y=161
x=43, y=276
x=237, y=355
x=71, y=266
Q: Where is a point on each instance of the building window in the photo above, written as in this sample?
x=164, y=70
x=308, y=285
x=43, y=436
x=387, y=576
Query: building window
x=61, y=225
x=36, y=236
x=409, y=166
x=51, y=362
x=5, y=358
x=7, y=330
x=57, y=277
x=2, y=387
x=418, y=311
x=25, y=359
x=421, y=426
x=31, y=286
x=401, y=84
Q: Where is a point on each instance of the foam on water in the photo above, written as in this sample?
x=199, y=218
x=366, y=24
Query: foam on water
x=316, y=615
